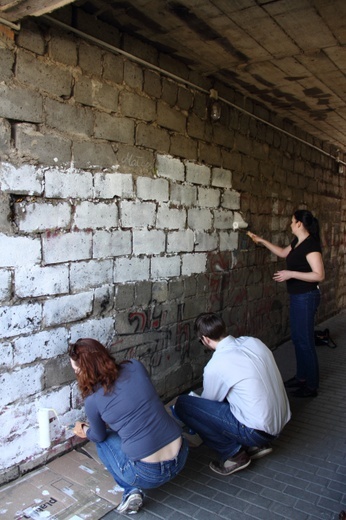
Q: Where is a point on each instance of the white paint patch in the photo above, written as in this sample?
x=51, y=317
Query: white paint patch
x=88, y=470
x=68, y=491
x=115, y=490
x=31, y=513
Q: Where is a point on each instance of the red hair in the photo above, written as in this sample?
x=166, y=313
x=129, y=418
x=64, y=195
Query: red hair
x=96, y=366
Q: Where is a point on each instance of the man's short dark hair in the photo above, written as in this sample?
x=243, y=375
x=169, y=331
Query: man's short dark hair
x=210, y=325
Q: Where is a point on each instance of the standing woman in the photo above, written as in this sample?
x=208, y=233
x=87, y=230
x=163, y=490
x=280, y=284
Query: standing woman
x=136, y=439
x=304, y=271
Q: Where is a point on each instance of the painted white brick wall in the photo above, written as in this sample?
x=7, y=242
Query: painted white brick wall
x=5, y=284
x=69, y=184
x=131, y=269
x=60, y=414
x=198, y=173
x=6, y=355
x=72, y=247
x=67, y=308
x=152, y=189
x=180, y=241
x=200, y=219
x=146, y=242
x=57, y=400
x=40, y=217
x=84, y=275
x=40, y=281
x=110, y=185
x=20, y=319
x=43, y=345
x=135, y=214
x=165, y=267
x=18, y=251
x=206, y=241
x=170, y=218
x=23, y=179
x=22, y=447
x=184, y=194
x=18, y=418
x=95, y=215
x=221, y=178
x=231, y=199
x=209, y=198
x=102, y=329
x=193, y=263
x=111, y=244
x=223, y=219
x=170, y=167
x=66, y=247
x=20, y=383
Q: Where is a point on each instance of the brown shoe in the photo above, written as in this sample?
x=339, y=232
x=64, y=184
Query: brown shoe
x=257, y=452
x=231, y=465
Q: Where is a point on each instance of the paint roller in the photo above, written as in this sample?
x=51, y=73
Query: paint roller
x=43, y=427
x=239, y=226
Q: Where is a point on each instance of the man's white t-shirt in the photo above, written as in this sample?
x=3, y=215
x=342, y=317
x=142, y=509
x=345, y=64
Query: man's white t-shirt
x=244, y=372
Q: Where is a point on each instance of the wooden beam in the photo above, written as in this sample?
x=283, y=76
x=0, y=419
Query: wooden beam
x=15, y=10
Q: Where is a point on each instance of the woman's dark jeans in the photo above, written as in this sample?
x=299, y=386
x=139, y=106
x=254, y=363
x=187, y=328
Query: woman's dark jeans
x=303, y=309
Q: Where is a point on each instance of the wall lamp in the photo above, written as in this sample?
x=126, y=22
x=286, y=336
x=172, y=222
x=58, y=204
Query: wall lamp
x=214, y=105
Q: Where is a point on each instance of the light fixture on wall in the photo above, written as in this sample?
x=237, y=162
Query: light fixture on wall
x=214, y=105
x=339, y=161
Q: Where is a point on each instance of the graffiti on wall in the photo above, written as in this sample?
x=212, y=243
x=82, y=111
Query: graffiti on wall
x=150, y=325
x=147, y=319
x=183, y=334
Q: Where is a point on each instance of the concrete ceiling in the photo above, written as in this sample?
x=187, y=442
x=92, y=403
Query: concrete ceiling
x=288, y=55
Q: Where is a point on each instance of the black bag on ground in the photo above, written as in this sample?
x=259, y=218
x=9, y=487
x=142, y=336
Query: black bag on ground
x=322, y=337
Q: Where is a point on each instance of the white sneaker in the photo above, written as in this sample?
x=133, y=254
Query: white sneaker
x=131, y=503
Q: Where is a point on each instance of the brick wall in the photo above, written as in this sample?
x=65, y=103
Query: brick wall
x=116, y=209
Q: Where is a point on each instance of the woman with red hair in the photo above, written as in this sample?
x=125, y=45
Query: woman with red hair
x=137, y=440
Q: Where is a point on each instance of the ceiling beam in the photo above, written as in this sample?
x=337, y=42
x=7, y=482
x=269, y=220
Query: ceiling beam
x=15, y=10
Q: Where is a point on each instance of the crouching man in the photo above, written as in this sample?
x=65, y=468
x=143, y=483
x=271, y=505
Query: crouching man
x=243, y=406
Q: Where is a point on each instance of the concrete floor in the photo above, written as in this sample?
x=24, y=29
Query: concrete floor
x=303, y=479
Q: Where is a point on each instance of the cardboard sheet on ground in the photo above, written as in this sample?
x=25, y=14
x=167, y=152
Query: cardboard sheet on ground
x=75, y=486
x=72, y=487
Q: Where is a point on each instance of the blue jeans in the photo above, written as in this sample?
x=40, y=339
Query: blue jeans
x=132, y=475
x=217, y=426
x=303, y=309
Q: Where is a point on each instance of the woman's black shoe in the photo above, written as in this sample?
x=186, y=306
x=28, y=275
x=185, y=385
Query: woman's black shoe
x=294, y=383
x=304, y=392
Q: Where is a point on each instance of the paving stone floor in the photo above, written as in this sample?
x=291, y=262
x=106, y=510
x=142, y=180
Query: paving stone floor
x=303, y=479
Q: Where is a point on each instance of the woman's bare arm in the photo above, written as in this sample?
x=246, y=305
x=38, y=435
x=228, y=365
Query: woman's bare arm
x=281, y=252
